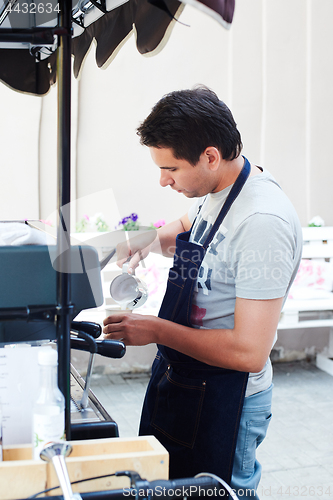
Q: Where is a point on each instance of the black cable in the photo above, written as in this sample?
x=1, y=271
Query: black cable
x=74, y=482
x=160, y=488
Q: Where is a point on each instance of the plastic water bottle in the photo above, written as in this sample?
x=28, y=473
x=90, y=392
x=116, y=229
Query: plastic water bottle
x=48, y=421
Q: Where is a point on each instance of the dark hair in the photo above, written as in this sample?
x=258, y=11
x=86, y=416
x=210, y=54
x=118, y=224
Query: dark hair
x=188, y=121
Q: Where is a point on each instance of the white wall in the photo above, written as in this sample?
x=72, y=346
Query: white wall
x=273, y=68
x=19, y=155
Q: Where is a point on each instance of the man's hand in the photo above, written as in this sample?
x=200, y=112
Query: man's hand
x=132, y=329
x=132, y=257
x=136, y=248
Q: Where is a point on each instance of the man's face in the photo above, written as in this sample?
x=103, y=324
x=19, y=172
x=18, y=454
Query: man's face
x=180, y=175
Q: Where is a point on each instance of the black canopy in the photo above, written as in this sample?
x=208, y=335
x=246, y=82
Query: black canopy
x=29, y=65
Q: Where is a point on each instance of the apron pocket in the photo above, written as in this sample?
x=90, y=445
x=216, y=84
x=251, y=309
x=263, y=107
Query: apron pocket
x=178, y=407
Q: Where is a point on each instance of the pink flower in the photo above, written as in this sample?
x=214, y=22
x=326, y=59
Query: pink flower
x=159, y=223
x=48, y=222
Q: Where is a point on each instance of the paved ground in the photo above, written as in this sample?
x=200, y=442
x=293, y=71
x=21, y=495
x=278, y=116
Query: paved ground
x=297, y=454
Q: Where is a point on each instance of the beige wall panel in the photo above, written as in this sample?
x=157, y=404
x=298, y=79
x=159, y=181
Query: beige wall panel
x=48, y=152
x=19, y=130
x=48, y=155
x=284, y=148
x=113, y=103
x=247, y=69
x=321, y=111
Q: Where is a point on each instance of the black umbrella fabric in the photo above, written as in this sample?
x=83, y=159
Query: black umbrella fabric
x=31, y=67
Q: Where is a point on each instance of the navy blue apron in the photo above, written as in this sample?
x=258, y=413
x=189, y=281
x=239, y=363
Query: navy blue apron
x=193, y=408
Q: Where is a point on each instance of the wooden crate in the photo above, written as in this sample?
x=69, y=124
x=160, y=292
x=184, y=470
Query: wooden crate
x=21, y=477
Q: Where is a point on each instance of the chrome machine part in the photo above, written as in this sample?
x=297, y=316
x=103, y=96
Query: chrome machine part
x=85, y=395
x=56, y=453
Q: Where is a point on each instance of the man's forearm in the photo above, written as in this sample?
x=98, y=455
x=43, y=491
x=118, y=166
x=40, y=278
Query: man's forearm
x=218, y=347
x=246, y=347
x=165, y=241
x=221, y=348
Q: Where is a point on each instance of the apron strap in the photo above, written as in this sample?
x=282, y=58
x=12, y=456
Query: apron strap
x=234, y=192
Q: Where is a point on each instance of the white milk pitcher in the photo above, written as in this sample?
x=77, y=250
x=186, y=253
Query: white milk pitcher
x=128, y=290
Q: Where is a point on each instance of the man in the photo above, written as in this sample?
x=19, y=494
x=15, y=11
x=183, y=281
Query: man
x=236, y=255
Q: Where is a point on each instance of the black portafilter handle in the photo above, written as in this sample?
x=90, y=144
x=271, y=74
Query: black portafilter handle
x=93, y=329
x=109, y=348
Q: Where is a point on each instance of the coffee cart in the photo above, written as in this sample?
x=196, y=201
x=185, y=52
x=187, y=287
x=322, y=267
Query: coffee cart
x=39, y=51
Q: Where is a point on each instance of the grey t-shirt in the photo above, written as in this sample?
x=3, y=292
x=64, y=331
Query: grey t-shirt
x=255, y=254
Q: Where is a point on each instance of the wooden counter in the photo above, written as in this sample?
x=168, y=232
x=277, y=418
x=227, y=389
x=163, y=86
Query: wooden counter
x=21, y=477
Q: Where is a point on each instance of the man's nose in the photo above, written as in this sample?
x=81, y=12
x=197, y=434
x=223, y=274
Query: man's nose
x=166, y=179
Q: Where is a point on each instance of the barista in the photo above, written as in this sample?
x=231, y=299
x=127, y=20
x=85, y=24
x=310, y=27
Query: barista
x=236, y=253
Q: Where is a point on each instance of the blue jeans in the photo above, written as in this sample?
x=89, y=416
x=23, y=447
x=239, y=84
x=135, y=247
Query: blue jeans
x=255, y=419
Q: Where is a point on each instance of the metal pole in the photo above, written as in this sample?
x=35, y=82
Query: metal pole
x=64, y=188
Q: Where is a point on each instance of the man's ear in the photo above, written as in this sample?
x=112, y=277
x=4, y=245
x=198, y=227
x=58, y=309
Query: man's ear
x=213, y=157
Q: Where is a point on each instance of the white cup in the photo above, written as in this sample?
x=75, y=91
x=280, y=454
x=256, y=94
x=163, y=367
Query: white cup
x=128, y=290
